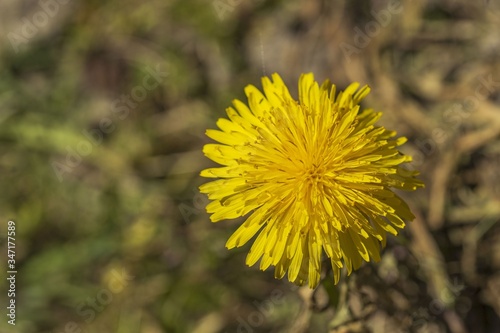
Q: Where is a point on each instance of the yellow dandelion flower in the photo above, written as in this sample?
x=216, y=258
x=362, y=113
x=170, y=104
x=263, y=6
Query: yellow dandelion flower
x=315, y=175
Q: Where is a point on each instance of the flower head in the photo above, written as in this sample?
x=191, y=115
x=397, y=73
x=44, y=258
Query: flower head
x=314, y=175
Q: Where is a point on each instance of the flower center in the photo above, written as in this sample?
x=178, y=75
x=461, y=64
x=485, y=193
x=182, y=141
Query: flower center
x=314, y=173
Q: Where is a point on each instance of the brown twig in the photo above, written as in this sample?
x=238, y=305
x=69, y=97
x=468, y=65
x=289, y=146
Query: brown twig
x=440, y=180
x=426, y=250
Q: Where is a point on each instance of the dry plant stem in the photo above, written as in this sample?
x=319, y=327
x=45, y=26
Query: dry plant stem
x=413, y=116
x=468, y=262
x=469, y=215
x=464, y=145
x=493, y=288
x=440, y=179
x=342, y=312
x=474, y=140
x=454, y=321
x=301, y=322
x=352, y=327
x=345, y=320
x=427, y=252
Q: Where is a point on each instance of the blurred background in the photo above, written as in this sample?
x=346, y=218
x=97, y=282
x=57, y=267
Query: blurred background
x=103, y=109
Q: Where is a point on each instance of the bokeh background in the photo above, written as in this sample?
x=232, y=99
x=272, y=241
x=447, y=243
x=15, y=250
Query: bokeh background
x=103, y=109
